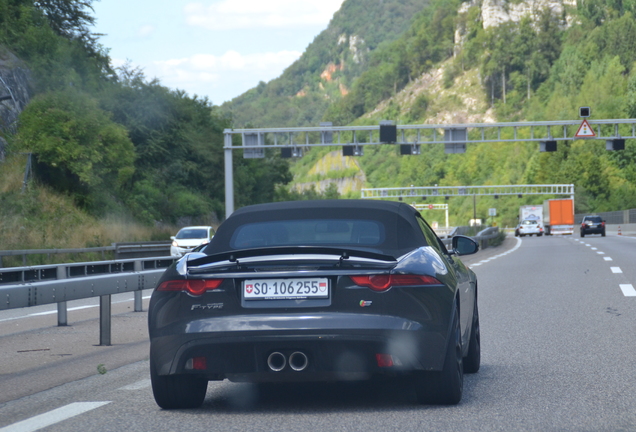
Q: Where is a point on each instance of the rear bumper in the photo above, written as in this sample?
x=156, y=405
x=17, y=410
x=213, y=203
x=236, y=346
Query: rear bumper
x=331, y=354
x=561, y=229
x=595, y=230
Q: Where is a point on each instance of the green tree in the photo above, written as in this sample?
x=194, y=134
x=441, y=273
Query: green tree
x=79, y=148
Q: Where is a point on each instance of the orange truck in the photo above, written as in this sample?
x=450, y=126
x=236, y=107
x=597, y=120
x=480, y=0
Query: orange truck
x=558, y=216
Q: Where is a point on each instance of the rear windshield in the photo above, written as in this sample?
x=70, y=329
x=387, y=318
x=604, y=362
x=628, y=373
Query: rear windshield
x=593, y=219
x=312, y=232
x=192, y=233
x=530, y=222
x=392, y=230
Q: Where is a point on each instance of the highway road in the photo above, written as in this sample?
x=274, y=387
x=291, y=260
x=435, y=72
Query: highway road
x=558, y=325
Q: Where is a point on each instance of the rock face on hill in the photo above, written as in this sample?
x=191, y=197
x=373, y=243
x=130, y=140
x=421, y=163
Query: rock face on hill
x=496, y=12
x=14, y=93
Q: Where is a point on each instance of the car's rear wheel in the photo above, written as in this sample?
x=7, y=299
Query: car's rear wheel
x=177, y=391
x=472, y=361
x=444, y=387
x=603, y=233
x=582, y=234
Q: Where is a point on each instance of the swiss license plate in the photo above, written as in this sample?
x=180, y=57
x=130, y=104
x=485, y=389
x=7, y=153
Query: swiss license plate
x=286, y=289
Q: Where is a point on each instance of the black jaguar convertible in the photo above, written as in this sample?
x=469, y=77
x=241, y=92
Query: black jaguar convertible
x=317, y=291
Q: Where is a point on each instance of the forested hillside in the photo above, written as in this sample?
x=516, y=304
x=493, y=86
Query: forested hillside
x=450, y=68
x=116, y=157
x=110, y=142
x=113, y=141
x=328, y=68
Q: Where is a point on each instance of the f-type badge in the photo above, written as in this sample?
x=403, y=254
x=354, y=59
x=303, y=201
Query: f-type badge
x=207, y=306
x=365, y=303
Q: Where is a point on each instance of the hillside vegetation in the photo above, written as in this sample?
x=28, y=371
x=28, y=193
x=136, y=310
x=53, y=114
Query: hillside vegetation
x=112, y=145
x=541, y=68
x=108, y=144
x=328, y=68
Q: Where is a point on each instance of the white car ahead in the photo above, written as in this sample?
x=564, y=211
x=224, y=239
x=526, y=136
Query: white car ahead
x=190, y=237
x=529, y=227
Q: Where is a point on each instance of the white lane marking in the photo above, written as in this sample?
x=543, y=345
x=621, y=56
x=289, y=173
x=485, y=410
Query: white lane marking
x=601, y=253
x=69, y=309
x=628, y=290
x=607, y=259
x=53, y=417
x=588, y=245
x=498, y=256
x=616, y=270
x=137, y=385
x=594, y=248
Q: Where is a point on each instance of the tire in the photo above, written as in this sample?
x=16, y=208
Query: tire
x=582, y=234
x=444, y=387
x=603, y=233
x=472, y=361
x=177, y=391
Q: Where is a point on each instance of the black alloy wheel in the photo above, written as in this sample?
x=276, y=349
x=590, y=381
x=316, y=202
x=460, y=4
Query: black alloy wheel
x=444, y=387
x=177, y=391
x=472, y=361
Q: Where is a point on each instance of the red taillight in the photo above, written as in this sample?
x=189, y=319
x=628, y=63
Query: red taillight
x=192, y=286
x=384, y=282
x=384, y=360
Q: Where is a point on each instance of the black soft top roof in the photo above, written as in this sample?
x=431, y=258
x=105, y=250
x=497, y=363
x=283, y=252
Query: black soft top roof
x=399, y=220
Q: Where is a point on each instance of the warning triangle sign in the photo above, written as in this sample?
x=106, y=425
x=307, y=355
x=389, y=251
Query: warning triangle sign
x=585, y=130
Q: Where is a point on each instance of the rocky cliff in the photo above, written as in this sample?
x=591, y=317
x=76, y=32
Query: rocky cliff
x=14, y=93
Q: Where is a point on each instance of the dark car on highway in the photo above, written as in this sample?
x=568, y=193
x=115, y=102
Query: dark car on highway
x=592, y=225
x=328, y=290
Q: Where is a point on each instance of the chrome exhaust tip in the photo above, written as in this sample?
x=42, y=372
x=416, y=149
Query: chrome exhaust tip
x=298, y=361
x=276, y=361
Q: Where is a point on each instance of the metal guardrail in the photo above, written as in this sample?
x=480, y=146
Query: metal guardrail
x=483, y=237
x=120, y=250
x=39, y=285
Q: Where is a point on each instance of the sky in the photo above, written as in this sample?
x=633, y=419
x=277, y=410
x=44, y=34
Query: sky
x=217, y=49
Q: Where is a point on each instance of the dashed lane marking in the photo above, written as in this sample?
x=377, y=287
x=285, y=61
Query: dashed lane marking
x=52, y=417
x=628, y=290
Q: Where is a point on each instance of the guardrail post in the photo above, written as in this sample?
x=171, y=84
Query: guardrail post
x=138, y=299
x=62, y=315
x=104, y=320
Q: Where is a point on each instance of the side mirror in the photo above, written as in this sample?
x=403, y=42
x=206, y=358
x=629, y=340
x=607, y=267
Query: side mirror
x=172, y=237
x=463, y=245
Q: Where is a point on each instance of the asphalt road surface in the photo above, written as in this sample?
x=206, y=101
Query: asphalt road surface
x=558, y=325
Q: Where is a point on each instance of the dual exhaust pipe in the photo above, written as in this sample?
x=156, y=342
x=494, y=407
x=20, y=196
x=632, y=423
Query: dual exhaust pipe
x=297, y=361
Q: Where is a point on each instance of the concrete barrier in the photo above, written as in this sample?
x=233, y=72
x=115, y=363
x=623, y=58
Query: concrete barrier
x=626, y=229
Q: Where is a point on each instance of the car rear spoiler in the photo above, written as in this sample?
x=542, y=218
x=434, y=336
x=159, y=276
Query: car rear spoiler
x=344, y=254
